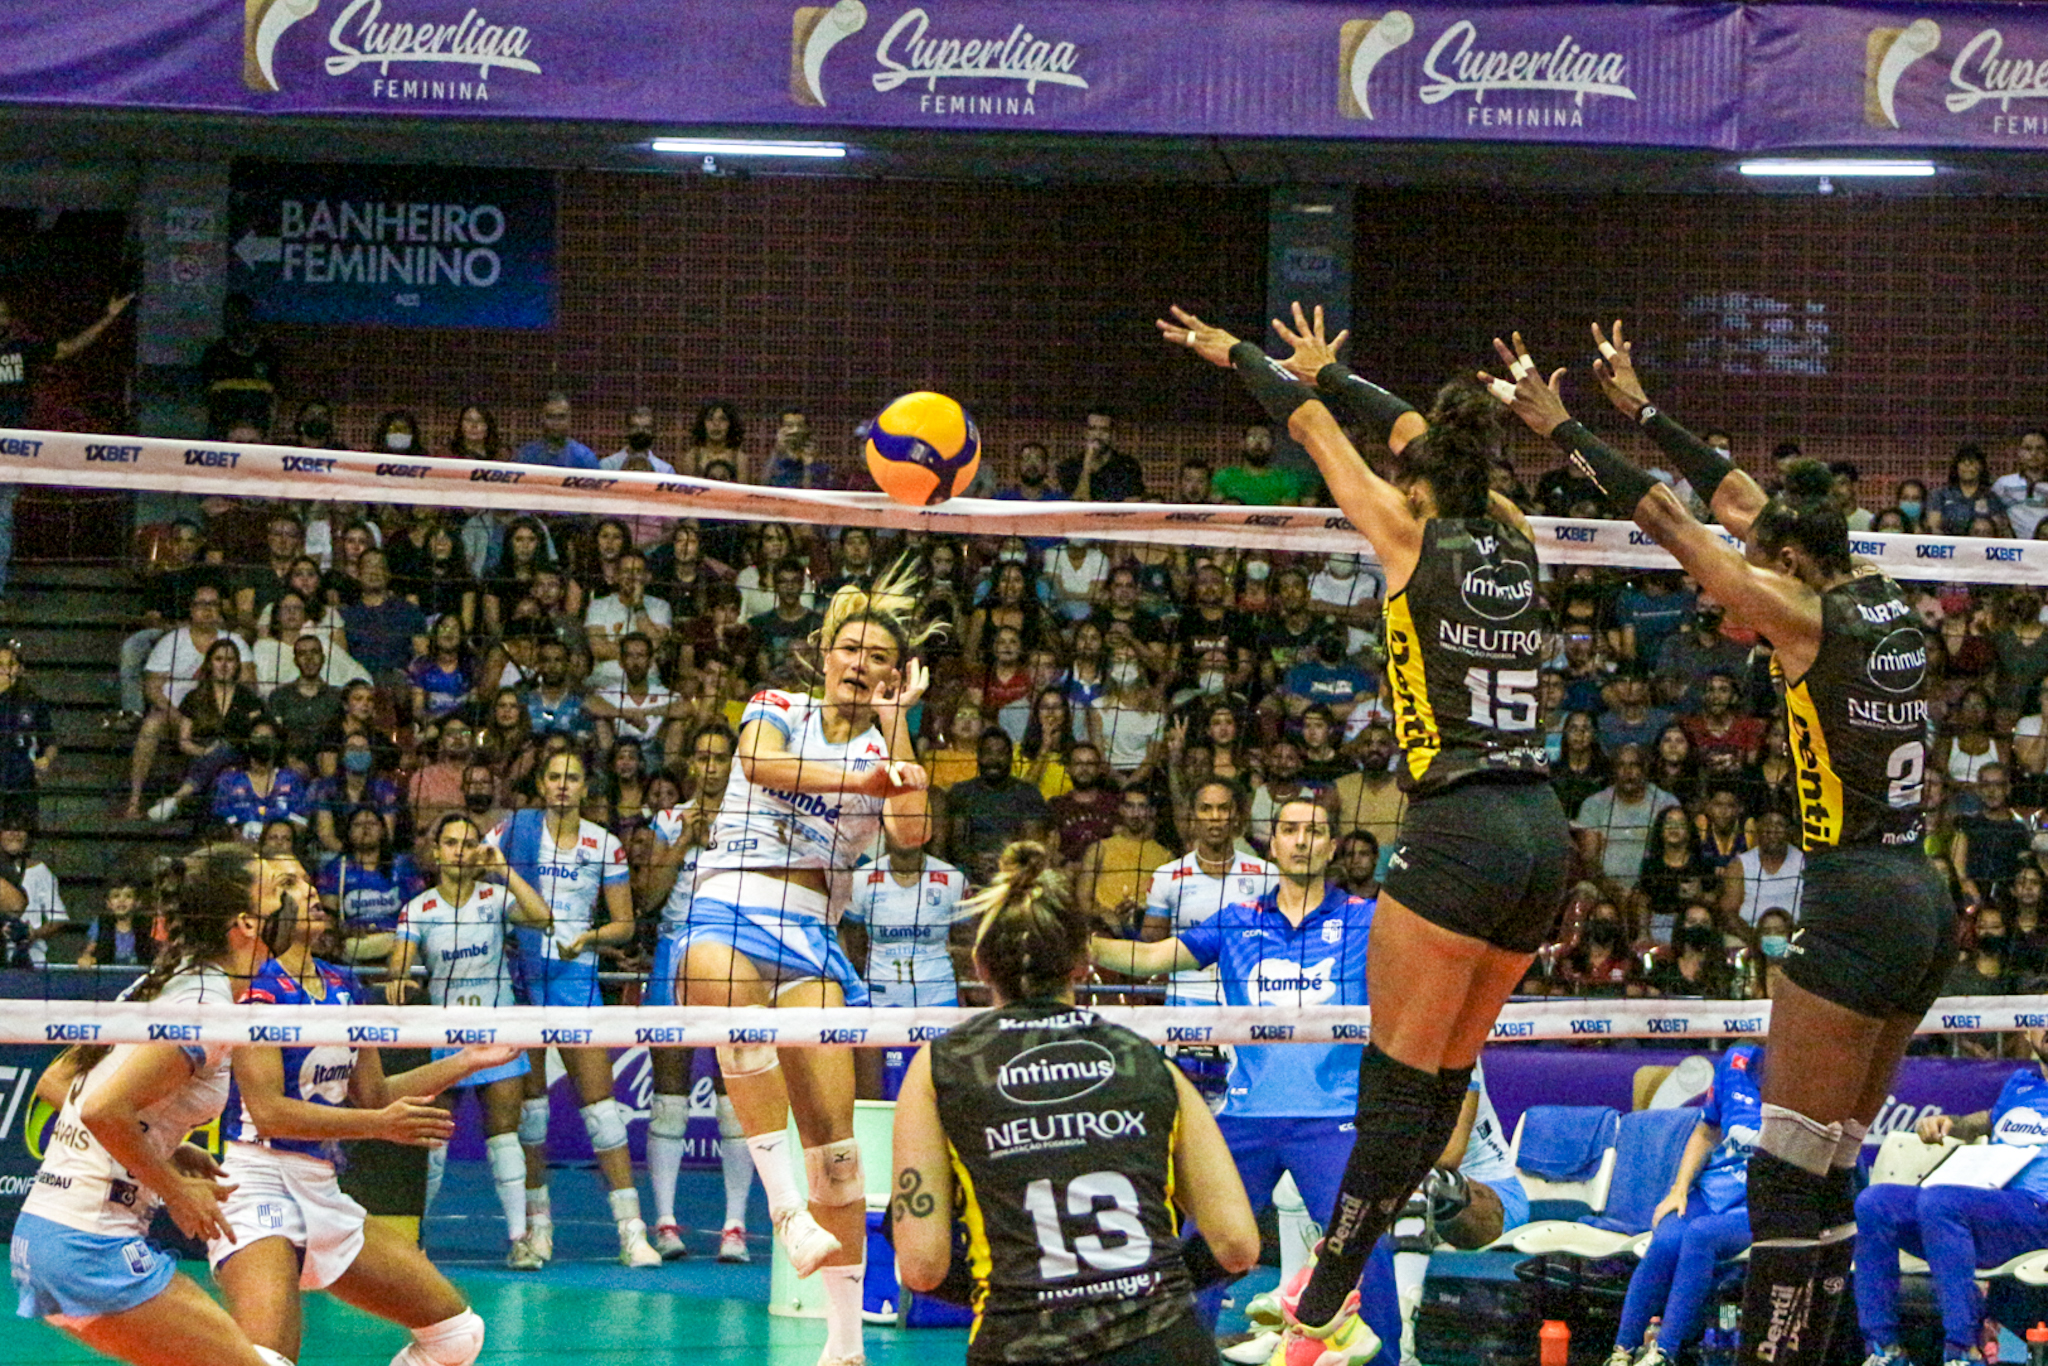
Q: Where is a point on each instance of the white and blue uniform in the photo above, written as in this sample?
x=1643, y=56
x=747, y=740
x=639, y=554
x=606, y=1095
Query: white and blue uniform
x=81, y=1247
x=1487, y=1160
x=289, y=1187
x=908, y=929
x=572, y=882
x=463, y=950
x=1292, y=1107
x=1183, y=895
x=784, y=928
x=669, y=827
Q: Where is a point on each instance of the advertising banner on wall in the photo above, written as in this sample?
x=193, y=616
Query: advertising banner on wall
x=400, y=246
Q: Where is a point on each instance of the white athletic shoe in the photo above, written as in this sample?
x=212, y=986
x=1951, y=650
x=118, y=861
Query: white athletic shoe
x=806, y=1240
x=164, y=810
x=732, y=1245
x=633, y=1247
x=1621, y=1356
x=542, y=1237
x=522, y=1257
x=1255, y=1350
x=668, y=1241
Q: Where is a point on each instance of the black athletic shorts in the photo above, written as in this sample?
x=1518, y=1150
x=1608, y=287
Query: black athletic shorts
x=1186, y=1343
x=1486, y=858
x=1877, y=931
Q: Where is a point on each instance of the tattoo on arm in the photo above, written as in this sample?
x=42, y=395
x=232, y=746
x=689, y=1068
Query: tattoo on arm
x=912, y=1200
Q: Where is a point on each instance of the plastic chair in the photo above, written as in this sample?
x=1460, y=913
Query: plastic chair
x=1648, y=1145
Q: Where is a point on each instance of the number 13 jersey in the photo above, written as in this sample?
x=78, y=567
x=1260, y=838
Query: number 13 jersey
x=1465, y=640
x=1061, y=1128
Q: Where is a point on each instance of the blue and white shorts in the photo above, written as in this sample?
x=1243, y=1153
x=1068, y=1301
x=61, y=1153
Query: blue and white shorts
x=783, y=943
x=507, y=1071
x=542, y=978
x=70, y=1278
x=293, y=1197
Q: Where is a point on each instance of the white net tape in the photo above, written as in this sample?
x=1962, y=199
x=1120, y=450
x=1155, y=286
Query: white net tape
x=68, y=1022
x=127, y=462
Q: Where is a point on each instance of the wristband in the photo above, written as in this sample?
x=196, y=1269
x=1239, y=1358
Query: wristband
x=1623, y=483
x=1703, y=466
x=1279, y=393
x=1358, y=402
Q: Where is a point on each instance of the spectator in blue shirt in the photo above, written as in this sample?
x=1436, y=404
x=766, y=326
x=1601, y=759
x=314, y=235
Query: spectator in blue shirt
x=384, y=631
x=366, y=888
x=1959, y=1228
x=1324, y=677
x=260, y=790
x=554, y=445
x=554, y=705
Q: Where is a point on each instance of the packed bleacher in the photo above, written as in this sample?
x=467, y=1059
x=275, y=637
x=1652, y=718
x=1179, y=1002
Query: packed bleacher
x=339, y=675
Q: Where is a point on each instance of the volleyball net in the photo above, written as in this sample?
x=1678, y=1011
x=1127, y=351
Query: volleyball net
x=481, y=507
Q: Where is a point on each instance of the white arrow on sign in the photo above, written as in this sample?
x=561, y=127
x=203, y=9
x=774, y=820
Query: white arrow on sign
x=255, y=250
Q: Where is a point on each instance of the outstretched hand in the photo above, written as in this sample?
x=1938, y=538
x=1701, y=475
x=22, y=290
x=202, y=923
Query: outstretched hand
x=1311, y=351
x=1538, y=402
x=1616, y=371
x=1212, y=344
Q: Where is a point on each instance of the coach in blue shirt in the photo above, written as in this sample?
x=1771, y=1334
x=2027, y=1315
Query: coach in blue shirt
x=1289, y=1107
x=555, y=446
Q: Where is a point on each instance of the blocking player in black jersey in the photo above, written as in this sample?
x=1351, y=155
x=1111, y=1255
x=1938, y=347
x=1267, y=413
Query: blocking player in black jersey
x=1475, y=883
x=1069, y=1147
x=1877, y=931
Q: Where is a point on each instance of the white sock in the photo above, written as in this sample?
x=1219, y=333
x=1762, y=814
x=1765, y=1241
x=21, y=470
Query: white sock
x=625, y=1204
x=538, y=1208
x=737, y=1162
x=665, y=1155
x=437, y=1171
x=842, y=1310
x=771, y=1160
x=508, y=1176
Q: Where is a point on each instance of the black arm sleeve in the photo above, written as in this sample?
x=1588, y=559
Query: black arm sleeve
x=1278, y=392
x=1703, y=466
x=1358, y=402
x=1588, y=455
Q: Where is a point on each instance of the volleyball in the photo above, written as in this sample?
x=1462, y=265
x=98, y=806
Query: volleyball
x=922, y=449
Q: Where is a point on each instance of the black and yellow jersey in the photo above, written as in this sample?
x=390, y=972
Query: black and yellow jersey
x=1465, y=640
x=1859, y=720
x=1061, y=1127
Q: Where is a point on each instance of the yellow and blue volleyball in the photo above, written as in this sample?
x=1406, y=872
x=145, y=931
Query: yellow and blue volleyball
x=922, y=449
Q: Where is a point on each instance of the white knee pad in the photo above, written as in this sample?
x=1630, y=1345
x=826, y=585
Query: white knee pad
x=507, y=1162
x=1805, y=1143
x=605, y=1125
x=533, y=1121
x=270, y=1357
x=729, y=1125
x=834, y=1173
x=668, y=1116
x=451, y=1342
x=746, y=1060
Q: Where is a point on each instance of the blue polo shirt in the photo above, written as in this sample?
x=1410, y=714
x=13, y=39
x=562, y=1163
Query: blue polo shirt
x=1735, y=1106
x=1267, y=962
x=2020, y=1116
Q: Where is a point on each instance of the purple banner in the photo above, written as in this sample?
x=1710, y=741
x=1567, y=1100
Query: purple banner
x=1518, y=1077
x=1943, y=76
x=1647, y=74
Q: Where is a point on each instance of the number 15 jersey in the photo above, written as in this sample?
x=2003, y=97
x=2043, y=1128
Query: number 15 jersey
x=1061, y=1128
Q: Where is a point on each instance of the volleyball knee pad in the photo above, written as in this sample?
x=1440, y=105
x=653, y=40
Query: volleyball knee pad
x=451, y=1342
x=533, y=1121
x=834, y=1175
x=1805, y=1143
x=603, y=1122
x=508, y=1163
x=668, y=1116
x=746, y=1060
x=270, y=1357
x=729, y=1125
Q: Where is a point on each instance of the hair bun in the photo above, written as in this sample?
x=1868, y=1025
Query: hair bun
x=1808, y=479
x=1025, y=861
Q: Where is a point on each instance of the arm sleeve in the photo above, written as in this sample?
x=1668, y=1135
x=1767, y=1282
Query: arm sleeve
x=1619, y=479
x=1703, y=466
x=1358, y=402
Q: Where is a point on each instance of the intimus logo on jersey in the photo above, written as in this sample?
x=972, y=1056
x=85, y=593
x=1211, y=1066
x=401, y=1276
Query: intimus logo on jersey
x=1899, y=663
x=1500, y=591
x=1055, y=1072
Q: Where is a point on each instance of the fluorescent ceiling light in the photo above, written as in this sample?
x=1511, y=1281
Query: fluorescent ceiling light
x=744, y=147
x=1839, y=169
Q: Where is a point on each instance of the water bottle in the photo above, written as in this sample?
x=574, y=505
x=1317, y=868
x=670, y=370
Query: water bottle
x=1554, y=1343
x=2037, y=1345
x=1650, y=1333
x=1723, y=1337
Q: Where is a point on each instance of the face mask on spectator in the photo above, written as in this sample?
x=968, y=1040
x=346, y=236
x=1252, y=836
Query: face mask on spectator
x=1604, y=934
x=640, y=441
x=1910, y=509
x=1699, y=938
x=398, y=441
x=1257, y=570
x=476, y=802
x=1126, y=674
x=356, y=760
x=1010, y=556
x=1993, y=944
x=1774, y=945
x=1212, y=682
x=1342, y=567
x=262, y=751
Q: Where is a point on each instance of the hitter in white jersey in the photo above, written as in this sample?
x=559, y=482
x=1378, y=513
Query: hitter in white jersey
x=900, y=928
x=81, y=1256
x=814, y=778
x=458, y=929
